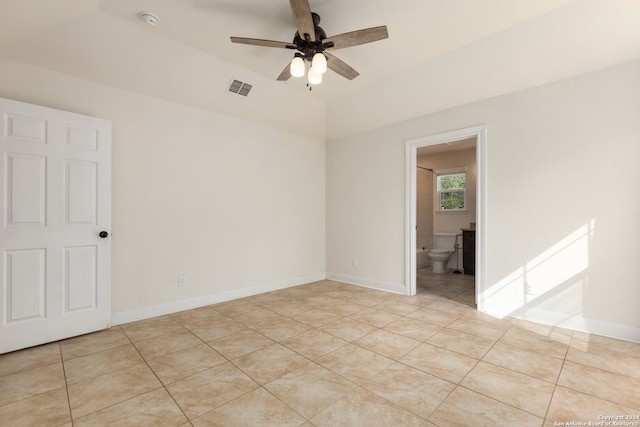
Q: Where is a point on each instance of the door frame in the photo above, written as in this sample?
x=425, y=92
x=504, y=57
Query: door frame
x=412, y=145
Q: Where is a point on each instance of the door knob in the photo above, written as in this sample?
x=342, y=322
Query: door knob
x=103, y=234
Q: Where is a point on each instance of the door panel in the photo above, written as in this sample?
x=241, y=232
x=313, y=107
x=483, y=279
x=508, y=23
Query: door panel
x=27, y=129
x=85, y=139
x=26, y=187
x=80, y=278
x=26, y=283
x=81, y=192
x=55, y=190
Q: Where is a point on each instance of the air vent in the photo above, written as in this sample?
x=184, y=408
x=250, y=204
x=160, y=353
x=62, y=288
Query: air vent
x=240, y=88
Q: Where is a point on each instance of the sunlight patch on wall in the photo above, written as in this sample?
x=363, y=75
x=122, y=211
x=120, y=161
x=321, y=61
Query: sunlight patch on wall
x=556, y=280
x=507, y=293
x=558, y=264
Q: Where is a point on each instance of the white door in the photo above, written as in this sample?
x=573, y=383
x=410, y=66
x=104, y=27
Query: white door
x=55, y=191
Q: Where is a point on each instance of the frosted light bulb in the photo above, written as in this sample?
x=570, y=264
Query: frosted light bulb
x=314, y=77
x=319, y=63
x=297, y=67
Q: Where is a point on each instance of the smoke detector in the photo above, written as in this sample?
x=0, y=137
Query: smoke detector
x=149, y=18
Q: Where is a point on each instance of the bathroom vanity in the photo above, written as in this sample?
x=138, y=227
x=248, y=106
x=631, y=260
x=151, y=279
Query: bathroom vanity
x=469, y=251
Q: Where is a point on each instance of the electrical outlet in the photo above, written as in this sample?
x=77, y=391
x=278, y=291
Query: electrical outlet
x=354, y=263
x=528, y=289
x=182, y=281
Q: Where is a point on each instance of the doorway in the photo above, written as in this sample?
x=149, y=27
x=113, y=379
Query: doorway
x=412, y=146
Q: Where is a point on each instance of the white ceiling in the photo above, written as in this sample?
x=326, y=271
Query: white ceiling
x=419, y=30
x=105, y=41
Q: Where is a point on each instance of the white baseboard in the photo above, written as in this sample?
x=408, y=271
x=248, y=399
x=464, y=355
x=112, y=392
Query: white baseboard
x=576, y=323
x=367, y=283
x=127, y=316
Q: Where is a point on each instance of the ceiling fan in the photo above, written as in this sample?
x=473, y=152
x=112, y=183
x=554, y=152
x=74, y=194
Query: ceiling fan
x=312, y=45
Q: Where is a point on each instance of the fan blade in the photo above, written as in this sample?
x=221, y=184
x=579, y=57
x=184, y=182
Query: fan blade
x=340, y=67
x=265, y=43
x=302, y=14
x=285, y=74
x=355, y=38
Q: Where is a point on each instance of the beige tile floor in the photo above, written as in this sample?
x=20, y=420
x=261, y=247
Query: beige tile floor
x=325, y=354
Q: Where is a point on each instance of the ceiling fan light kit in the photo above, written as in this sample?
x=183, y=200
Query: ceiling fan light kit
x=312, y=45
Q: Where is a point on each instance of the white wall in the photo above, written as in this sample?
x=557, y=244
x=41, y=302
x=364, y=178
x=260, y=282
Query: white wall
x=562, y=204
x=237, y=207
x=365, y=210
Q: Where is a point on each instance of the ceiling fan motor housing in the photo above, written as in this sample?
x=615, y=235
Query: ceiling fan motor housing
x=308, y=47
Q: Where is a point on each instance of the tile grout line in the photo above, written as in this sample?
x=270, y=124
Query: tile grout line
x=310, y=361
x=73, y=419
x=555, y=386
x=504, y=403
x=162, y=385
x=458, y=384
x=66, y=384
x=359, y=386
x=490, y=397
x=586, y=393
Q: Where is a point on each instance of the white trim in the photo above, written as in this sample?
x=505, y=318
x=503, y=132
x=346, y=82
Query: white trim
x=396, y=288
x=412, y=145
x=576, y=323
x=127, y=316
x=411, y=221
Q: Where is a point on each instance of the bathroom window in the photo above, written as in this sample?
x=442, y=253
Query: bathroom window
x=450, y=190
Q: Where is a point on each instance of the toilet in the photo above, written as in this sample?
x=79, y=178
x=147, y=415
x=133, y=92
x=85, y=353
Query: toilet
x=444, y=246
